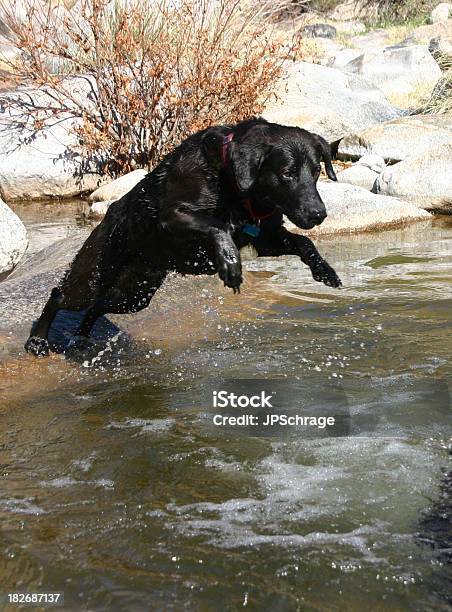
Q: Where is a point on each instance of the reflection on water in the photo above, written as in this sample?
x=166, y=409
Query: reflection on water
x=119, y=491
x=49, y=221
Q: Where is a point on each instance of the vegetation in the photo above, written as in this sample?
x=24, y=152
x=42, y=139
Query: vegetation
x=441, y=99
x=400, y=11
x=372, y=12
x=158, y=71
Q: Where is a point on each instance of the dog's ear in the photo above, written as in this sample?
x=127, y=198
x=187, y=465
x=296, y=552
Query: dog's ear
x=325, y=155
x=211, y=142
x=246, y=160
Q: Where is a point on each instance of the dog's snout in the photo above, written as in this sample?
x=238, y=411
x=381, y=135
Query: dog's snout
x=318, y=215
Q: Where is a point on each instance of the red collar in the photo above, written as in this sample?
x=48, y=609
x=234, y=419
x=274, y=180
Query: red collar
x=247, y=204
x=224, y=149
x=255, y=216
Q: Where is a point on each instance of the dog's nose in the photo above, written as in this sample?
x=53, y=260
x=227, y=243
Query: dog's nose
x=318, y=215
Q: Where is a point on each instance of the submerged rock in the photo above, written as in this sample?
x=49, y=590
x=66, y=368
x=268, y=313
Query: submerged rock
x=328, y=101
x=26, y=290
x=425, y=179
x=436, y=523
x=398, y=139
x=13, y=239
x=354, y=209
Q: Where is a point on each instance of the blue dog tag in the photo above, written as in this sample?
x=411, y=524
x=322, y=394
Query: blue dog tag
x=251, y=230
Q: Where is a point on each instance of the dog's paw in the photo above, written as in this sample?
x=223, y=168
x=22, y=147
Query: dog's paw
x=230, y=273
x=324, y=273
x=37, y=346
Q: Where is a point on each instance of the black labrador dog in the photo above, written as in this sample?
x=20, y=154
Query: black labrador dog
x=220, y=190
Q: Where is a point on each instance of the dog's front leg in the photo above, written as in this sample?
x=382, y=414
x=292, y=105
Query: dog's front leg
x=184, y=225
x=321, y=270
x=227, y=259
x=283, y=242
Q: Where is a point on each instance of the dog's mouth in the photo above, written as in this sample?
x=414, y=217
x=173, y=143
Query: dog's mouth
x=304, y=222
x=308, y=224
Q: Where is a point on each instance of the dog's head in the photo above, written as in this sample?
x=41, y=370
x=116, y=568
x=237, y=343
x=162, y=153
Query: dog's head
x=279, y=166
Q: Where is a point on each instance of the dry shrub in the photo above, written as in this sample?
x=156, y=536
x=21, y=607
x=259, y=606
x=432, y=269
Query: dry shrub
x=440, y=102
x=288, y=9
x=397, y=11
x=158, y=70
x=371, y=11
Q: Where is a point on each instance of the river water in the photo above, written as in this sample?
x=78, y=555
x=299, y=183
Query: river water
x=118, y=489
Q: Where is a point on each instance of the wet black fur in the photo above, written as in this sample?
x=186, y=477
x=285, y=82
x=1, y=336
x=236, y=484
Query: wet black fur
x=188, y=214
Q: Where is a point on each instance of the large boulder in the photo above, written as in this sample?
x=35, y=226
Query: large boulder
x=354, y=209
x=441, y=12
x=13, y=239
x=354, y=9
x=395, y=140
x=425, y=179
x=350, y=209
x=8, y=50
x=119, y=187
x=378, y=38
x=358, y=175
x=364, y=173
x=342, y=57
x=98, y=210
x=424, y=33
x=441, y=51
x=48, y=162
x=25, y=291
x=350, y=28
x=324, y=51
x=327, y=101
x=374, y=162
x=397, y=69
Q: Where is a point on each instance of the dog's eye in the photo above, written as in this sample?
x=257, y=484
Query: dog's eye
x=287, y=175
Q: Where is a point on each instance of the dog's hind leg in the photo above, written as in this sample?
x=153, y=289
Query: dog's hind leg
x=117, y=300
x=37, y=343
x=80, y=341
x=91, y=315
